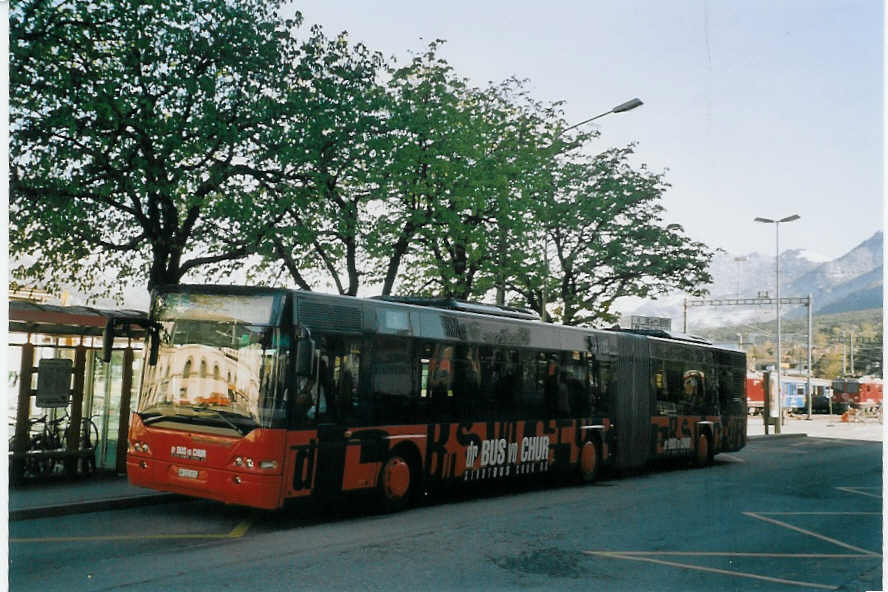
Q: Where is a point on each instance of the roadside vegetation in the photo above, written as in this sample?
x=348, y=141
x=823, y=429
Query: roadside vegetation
x=830, y=333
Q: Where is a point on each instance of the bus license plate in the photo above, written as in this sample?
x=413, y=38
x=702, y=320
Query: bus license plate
x=188, y=473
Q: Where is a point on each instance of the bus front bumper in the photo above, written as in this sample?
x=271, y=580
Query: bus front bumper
x=230, y=487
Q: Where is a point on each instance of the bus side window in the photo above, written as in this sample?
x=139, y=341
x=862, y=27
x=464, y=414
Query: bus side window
x=675, y=385
x=508, y=385
x=606, y=378
x=392, y=381
x=466, y=380
x=440, y=379
x=574, y=375
x=531, y=401
x=593, y=390
x=490, y=364
x=665, y=404
x=346, y=370
x=422, y=368
x=545, y=384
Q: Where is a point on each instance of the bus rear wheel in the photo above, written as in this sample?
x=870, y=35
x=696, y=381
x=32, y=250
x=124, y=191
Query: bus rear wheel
x=703, y=451
x=589, y=462
x=395, y=483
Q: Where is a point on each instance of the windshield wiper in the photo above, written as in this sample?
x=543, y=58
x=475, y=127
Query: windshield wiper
x=149, y=418
x=196, y=412
x=234, y=426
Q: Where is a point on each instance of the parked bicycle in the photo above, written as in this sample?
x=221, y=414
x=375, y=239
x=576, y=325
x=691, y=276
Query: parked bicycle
x=89, y=439
x=47, y=436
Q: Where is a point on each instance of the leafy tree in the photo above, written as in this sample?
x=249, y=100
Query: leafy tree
x=420, y=160
x=604, y=222
x=476, y=228
x=334, y=144
x=143, y=136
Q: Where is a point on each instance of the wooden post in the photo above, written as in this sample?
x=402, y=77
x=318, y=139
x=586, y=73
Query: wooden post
x=23, y=413
x=125, y=395
x=76, y=421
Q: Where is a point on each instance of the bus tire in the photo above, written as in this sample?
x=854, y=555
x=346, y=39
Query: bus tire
x=703, y=450
x=396, y=483
x=590, y=461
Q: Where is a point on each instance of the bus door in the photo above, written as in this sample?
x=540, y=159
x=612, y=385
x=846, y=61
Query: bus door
x=330, y=432
x=632, y=402
x=331, y=459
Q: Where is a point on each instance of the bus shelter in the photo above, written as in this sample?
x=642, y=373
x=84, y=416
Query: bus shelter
x=81, y=428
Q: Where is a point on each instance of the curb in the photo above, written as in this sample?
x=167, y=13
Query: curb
x=776, y=436
x=93, y=506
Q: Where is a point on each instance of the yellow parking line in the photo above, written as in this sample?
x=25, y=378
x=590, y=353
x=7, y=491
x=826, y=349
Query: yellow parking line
x=810, y=533
x=237, y=532
x=725, y=572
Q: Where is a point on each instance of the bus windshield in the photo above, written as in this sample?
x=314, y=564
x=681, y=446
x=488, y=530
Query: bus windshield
x=220, y=364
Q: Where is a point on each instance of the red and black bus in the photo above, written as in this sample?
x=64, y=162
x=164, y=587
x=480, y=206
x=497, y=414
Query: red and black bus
x=254, y=396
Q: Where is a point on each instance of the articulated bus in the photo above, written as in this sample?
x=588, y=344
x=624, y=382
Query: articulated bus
x=256, y=396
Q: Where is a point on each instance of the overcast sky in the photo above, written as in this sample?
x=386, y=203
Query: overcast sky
x=755, y=107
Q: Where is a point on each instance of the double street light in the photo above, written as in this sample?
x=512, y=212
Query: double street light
x=776, y=224
x=622, y=107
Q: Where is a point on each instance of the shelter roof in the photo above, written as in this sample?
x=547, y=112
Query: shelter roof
x=52, y=319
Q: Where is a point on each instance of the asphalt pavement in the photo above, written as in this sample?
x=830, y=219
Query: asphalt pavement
x=111, y=491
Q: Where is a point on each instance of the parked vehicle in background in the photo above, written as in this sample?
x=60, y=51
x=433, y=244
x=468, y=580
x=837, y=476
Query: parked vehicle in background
x=795, y=389
x=755, y=393
x=864, y=394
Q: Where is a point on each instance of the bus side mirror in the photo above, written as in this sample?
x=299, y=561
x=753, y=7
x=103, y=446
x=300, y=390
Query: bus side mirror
x=306, y=352
x=107, y=340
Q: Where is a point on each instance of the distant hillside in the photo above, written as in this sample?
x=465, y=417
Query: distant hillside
x=847, y=283
x=851, y=282
x=858, y=321
x=870, y=298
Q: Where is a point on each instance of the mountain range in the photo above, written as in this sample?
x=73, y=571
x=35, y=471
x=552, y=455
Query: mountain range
x=850, y=282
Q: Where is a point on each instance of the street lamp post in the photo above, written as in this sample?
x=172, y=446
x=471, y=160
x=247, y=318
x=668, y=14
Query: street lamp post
x=627, y=106
x=621, y=108
x=776, y=224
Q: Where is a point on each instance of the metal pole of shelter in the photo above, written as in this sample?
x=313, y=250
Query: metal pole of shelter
x=76, y=421
x=126, y=387
x=23, y=412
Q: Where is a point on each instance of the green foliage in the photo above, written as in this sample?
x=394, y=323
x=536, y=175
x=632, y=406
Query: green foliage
x=604, y=237
x=333, y=141
x=154, y=140
x=140, y=136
